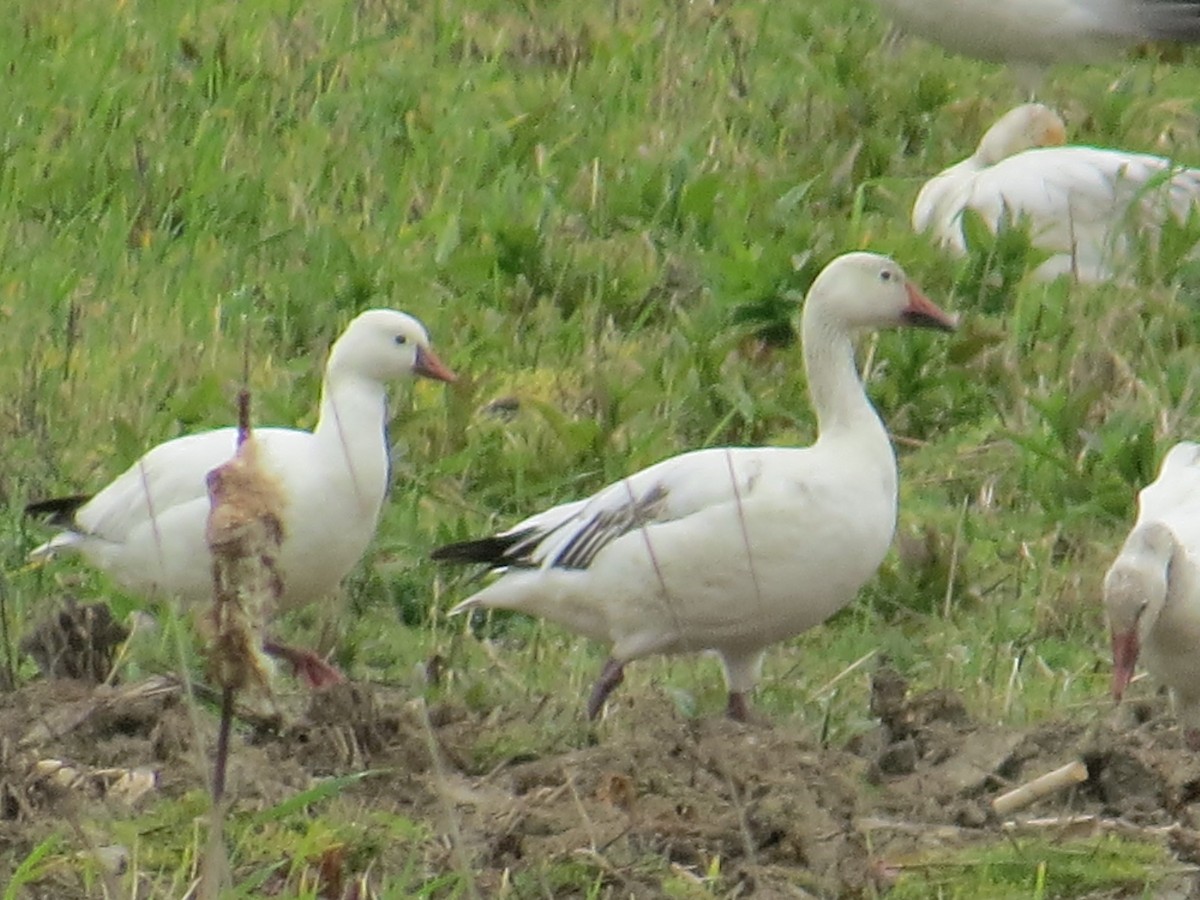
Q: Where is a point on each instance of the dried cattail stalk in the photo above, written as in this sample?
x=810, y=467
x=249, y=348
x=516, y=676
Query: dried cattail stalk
x=245, y=530
x=244, y=533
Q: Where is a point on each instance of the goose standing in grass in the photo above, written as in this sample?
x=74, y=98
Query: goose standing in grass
x=147, y=528
x=1093, y=209
x=1033, y=34
x=728, y=549
x=1152, y=589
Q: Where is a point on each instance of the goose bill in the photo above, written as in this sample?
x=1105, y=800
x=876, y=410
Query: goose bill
x=430, y=366
x=1125, y=654
x=922, y=312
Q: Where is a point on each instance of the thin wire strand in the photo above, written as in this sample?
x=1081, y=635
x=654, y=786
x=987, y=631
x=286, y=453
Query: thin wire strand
x=741, y=512
x=662, y=581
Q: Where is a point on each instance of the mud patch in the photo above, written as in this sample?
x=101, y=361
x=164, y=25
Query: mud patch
x=777, y=813
x=684, y=790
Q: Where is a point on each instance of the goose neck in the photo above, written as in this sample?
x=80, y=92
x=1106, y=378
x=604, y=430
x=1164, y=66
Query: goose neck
x=834, y=384
x=351, y=407
x=351, y=439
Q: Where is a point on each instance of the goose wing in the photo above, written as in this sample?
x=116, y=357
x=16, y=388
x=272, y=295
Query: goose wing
x=572, y=534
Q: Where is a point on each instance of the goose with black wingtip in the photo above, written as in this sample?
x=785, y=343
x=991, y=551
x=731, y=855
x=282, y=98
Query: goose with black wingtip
x=1033, y=34
x=729, y=549
x=146, y=529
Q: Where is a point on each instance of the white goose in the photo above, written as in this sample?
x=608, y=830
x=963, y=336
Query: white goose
x=1152, y=589
x=1037, y=33
x=1091, y=208
x=728, y=549
x=147, y=528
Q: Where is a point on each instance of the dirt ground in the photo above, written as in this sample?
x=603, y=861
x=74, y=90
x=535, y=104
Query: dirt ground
x=785, y=818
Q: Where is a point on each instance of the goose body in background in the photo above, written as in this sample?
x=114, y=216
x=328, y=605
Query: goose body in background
x=146, y=529
x=1152, y=589
x=1038, y=33
x=1091, y=208
x=727, y=549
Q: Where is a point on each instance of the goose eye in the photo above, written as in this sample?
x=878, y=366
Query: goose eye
x=401, y=340
x=885, y=275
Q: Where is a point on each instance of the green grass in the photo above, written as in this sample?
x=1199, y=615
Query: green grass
x=592, y=206
x=1036, y=869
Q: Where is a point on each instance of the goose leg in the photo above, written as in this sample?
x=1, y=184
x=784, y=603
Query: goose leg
x=1191, y=737
x=306, y=665
x=741, y=674
x=738, y=707
x=611, y=675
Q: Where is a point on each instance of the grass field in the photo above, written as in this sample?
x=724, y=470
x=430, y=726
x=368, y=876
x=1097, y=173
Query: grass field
x=607, y=211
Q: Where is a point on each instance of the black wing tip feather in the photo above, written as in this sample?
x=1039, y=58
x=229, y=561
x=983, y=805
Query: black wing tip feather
x=493, y=551
x=58, y=510
x=1171, y=20
x=481, y=550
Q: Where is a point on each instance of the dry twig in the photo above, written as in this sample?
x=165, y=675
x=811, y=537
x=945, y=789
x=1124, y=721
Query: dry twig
x=1042, y=786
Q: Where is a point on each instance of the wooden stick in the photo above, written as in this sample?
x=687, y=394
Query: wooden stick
x=1042, y=786
x=221, y=759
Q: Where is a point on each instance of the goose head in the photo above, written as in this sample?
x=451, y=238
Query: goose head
x=1024, y=128
x=1135, y=590
x=867, y=291
x=384, y=345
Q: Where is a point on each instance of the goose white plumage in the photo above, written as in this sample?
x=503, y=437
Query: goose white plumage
x=1152, y=589
x=146, y=529
x=1090, y=208
x=728, y=549
x=1036, y=33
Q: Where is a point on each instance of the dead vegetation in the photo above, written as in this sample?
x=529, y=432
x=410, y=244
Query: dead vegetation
x=759, y=811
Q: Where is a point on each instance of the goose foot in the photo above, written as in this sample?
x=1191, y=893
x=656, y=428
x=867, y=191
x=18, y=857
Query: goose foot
x=611, y=675
x=738, y=707
x=306, y=665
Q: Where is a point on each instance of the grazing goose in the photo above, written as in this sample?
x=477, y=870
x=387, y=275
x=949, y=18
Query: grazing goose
x=1091, y=208
x=728, y=549
x=1033, y=34
x=147, y=528
x=1152, y=589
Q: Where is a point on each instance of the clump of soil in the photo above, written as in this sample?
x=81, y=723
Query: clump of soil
x=77, y=641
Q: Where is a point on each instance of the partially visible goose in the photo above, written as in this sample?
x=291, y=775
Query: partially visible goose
x=1032, y=34
x=1152, y=589
x=147, y=528
x=1091, y=208
x=728, y=549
